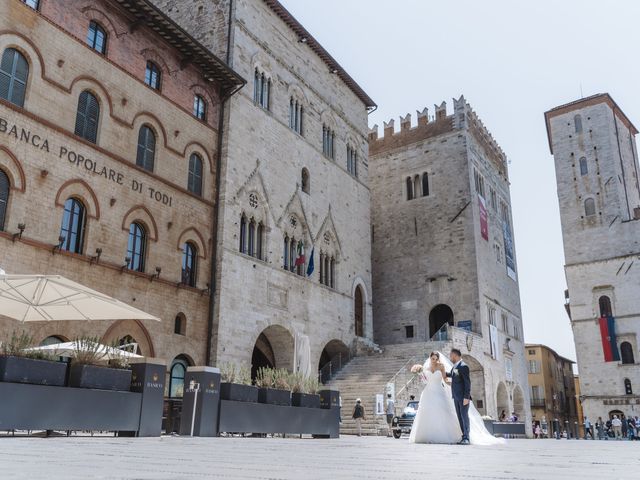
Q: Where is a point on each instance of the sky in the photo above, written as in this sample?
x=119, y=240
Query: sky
x=512, y=60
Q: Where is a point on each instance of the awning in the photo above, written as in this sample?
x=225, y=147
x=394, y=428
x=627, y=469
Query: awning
x=43, y=298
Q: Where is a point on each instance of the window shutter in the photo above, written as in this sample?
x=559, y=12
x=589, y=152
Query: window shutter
x=6, y=69
x=80, y=115
x=4, y=197
x=93, y=113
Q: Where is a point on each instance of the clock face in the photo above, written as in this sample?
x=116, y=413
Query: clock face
x=253, y=200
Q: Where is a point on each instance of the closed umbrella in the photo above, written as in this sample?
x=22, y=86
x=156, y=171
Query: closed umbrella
x=42, y=298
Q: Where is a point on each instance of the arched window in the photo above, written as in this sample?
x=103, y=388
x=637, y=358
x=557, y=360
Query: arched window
x=261, y=89
x=584, y=168
x=87, y=117
x=285, y=255
x=628, y=390
x=243, y=234
x=295, y=115
x=259, y=241
x=145, y=156
x=14, y=71
x=72, y=229
x=130, y=344
x=577, y=120
x=604, y=303
x=359, y=312
x=416, y=186
x=180, y=324
x=305, y=181
x=97, y=37
x=200, y=108
x=176, y=376
x=35, y=4
x=136, y=247
x=352, y=161
x=194, y=182
x=589, y=207
x=251, y=248
x=152, y=75
x=425, y=184
x=189, y=264
x=409, y=188
x=626, y=353
x=4, y=198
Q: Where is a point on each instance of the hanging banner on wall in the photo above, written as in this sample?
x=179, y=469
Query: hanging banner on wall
x=609, y=341
x=510, y=259
x=484, y=218
x=494, y=341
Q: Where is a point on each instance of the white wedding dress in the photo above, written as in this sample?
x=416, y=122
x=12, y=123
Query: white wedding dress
x=436, y=420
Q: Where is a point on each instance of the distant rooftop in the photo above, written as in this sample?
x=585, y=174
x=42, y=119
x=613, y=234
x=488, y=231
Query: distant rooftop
x=587, y=102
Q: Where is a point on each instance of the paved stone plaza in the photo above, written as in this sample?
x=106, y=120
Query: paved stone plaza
x=346, y=458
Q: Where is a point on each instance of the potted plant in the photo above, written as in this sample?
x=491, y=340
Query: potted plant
x=273, y=387
x=236, y=384
x=19, y=364
x=87, y=371
x=305, y=391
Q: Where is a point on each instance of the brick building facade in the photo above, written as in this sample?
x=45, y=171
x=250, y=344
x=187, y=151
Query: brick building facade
x=596, y=161
x=108, y=148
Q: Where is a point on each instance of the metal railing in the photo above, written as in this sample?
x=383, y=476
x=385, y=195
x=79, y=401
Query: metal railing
x=330, y=370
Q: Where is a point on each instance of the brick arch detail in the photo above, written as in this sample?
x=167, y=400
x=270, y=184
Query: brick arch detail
x=13, y=169
x=197, y=147
x=155, y=123
x=145, y=217
x=141, y=328
x=68, y=186
x=192, y=234
x=28, y=54
x=101, y=91
x=91, y=12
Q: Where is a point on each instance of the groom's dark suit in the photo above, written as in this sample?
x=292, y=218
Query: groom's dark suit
x=461, y=390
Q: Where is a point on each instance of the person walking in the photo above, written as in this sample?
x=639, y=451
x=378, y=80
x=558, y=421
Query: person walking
x=391, y=412
x=616, y=424
x=588, y=429
x=359, y=416
x=538, y=431
x=623, y=426
x=600, y=428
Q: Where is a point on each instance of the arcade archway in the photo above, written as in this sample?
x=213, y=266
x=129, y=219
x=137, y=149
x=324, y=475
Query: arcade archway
x=502, y=401
x=518, y=402
x=335, y=353
x=439, y=316
x=476, y=372
x=274, y=348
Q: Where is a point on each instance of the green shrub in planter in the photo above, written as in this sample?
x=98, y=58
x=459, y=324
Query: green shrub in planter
x=87, y=372
x=273, y=387
x=19, y=365
x=236, y=384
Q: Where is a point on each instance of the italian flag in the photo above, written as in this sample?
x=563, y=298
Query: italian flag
x=300, y=258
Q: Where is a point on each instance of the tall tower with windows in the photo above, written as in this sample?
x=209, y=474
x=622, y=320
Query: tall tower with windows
x=593, y=144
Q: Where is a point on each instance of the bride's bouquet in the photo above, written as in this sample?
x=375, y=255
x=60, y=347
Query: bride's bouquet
x=417, y=369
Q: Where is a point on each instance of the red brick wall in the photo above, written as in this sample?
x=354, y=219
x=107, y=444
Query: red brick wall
x=131, y=50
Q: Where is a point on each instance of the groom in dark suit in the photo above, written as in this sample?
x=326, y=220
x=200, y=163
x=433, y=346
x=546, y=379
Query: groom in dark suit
x=461, y=392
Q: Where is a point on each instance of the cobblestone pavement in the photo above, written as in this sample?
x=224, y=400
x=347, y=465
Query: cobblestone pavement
x=346, y=458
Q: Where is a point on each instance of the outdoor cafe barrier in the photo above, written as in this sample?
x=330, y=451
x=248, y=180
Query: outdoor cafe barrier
x=204, y=413
x=136, y=412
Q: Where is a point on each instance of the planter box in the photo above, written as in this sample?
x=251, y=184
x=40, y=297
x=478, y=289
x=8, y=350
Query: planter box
x=271, y=396
x=305, y=400
x=101, y=378
x=29, y=370
x=238, y=393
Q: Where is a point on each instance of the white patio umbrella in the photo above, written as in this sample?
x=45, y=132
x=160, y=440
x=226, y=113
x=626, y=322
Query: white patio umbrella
x=67, y=349
x=42, y=298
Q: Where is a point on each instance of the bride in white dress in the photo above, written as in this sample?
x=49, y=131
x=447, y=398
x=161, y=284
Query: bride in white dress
x=436, y=420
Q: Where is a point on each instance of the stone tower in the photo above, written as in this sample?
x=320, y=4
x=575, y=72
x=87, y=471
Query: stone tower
x=444, y=266
x=593, y=144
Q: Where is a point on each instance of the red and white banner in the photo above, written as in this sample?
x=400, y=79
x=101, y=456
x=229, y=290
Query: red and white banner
x=484, y=218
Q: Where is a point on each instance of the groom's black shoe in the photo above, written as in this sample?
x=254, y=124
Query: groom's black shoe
x=464, y=442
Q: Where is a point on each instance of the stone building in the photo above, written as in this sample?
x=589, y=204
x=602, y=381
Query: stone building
x=444, y=266
x=553, y=387
x=596, y=160
x=293, y=189
x=108, y=148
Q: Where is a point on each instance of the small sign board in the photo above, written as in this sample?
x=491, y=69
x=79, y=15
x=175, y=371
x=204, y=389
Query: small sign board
x=465, y=325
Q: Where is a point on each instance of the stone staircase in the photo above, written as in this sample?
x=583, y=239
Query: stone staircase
x=365, y=376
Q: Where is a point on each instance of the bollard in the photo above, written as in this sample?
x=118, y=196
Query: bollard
x=544, y=427
x=556, y=428
x=566, y=429
x=576, y=431
x=584, y=426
